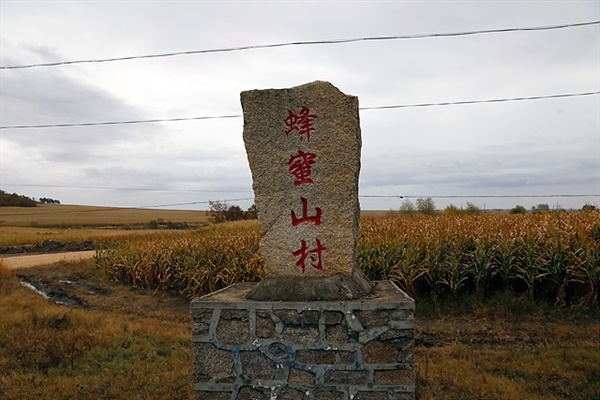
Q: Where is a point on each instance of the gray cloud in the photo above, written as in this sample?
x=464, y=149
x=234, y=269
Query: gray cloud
x=546, y=146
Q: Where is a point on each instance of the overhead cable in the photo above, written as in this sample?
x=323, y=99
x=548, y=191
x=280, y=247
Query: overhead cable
x=107, y=209
x=304, y=43
x=147, y=121
x=482, y=196
x=457, y=103
x=125, y=188
x=380, y=196
x=197, y=202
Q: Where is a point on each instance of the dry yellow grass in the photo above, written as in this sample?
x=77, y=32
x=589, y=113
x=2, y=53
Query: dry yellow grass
x=55, y=352
x=533, y=353
x=131, y=345
x=5, y=272
x=14, y=235
x=52, y=215
x=488, y=354
x=74, y=223
x=68, y=223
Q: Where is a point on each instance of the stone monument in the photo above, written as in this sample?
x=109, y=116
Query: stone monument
x=303, y=147
x=315, y=328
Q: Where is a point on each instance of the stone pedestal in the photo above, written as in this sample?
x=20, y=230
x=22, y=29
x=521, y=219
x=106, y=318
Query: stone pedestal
x=322, y=350
x=315, y=328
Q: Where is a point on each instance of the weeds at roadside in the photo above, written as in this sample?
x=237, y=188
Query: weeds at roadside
x=56, y=352
x=7, y=277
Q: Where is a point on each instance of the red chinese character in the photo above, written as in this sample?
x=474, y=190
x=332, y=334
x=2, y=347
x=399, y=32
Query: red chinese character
x=300, y=166
x=301, y=122
x=313, y=255
x=305, y=218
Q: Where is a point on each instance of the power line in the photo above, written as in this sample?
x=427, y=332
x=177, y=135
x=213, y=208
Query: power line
x=107, y=209
x=483, y=196
x=411, y=196
x=197, y=202
x=388, y=107
x=382, y=196
x=303, y=43
x=146, y=121
x=455, y=103
x=126, y=188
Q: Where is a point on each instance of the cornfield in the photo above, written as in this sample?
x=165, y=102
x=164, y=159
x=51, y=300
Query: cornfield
x=552, y=257
x=191, y=264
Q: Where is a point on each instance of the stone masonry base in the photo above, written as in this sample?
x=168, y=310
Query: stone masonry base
x=320, y=350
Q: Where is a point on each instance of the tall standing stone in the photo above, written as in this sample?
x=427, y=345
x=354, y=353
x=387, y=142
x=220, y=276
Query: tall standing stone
x=307, y=331
x=303, y=146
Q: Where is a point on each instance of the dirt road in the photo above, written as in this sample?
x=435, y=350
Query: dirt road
x=20, y=262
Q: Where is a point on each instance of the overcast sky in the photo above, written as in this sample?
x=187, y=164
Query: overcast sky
x=538, y=147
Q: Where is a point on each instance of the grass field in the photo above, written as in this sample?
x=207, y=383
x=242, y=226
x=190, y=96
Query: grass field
x=73, y=223
x=68, y=223
x=114, y=349
x=130, y=344
x=70, y=216
x=497, y=335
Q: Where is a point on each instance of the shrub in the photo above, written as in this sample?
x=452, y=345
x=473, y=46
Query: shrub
x=518, y=210
x=407, y=206
x=588, y=207
x=472, y=208
x=451, y=209
x=220, y=211
x=426, y=206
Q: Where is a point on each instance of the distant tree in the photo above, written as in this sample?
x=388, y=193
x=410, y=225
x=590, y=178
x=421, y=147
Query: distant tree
x=252, y=212
x=426, y=206
x=518, y=210
x=472, y=208
x=234, y=213
x=407, y=206
x=220, y=211
x=588, y=207
x=217, y=210
x=15, y=200
x=540, y=207
x=45, y=200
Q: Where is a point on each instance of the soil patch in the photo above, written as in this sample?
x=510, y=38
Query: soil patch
x=48, y=246
x=82, y=284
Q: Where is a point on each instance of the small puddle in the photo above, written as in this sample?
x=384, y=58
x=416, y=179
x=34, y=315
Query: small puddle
x=55, y=295
x=31, y=287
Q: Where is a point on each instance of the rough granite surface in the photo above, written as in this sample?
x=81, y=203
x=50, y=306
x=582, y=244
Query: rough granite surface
x=282, y=127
